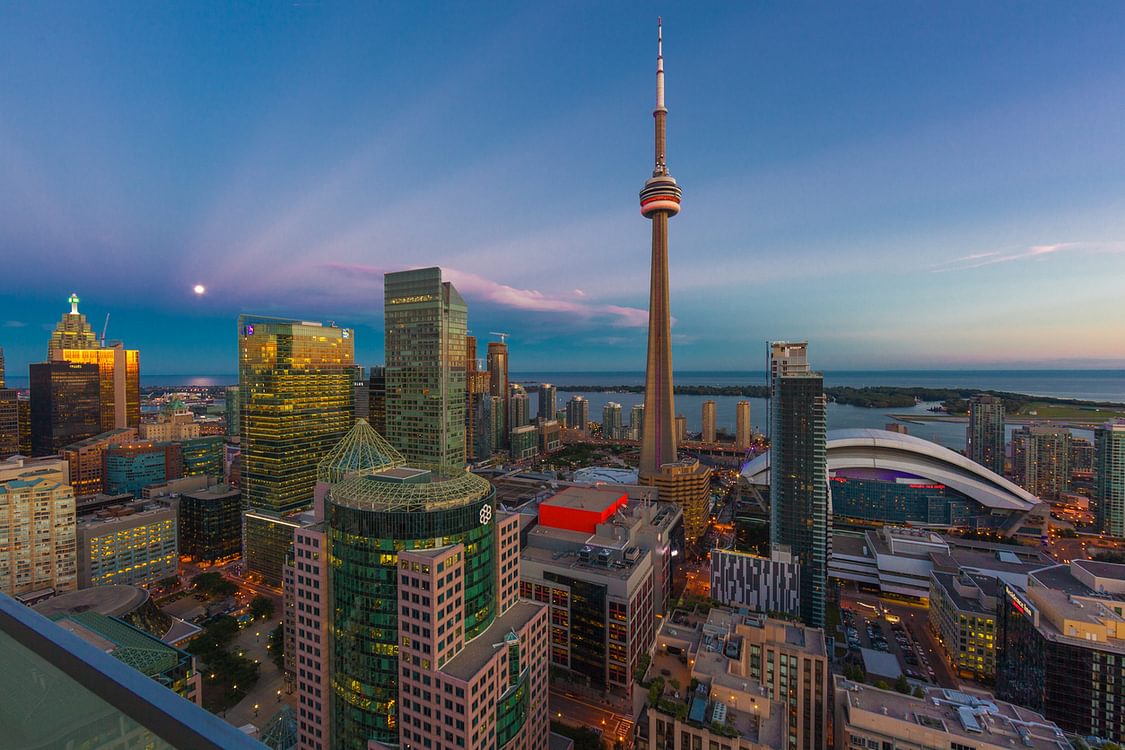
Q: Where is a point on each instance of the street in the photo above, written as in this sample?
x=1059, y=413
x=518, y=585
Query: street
x=577, y=711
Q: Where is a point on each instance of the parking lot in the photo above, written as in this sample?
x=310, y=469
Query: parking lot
x=871, y=626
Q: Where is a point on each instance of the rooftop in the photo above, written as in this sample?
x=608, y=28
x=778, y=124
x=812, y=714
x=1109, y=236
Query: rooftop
x=477, y=652
x=138, y=649
x=593, y=499
x=986, y=586
x=361, y=451
x=214, y=492
x=392, y=490
x=113, y=601
x=1101, y=569
x=960, y=715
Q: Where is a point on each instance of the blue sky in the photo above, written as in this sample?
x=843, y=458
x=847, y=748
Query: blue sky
x=904, y=184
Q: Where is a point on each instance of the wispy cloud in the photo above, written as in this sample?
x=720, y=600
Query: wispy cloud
x=481, y=289
x=978, y=260
x=14, y=324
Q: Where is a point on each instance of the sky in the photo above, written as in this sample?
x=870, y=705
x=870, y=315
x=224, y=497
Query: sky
x=905, y=185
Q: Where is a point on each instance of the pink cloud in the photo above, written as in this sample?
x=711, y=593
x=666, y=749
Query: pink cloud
x=979, y=260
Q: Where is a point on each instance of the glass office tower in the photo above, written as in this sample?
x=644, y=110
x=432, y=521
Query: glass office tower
x=296, y=403
x=424, y=323
x=65, y=405
x=370, y=518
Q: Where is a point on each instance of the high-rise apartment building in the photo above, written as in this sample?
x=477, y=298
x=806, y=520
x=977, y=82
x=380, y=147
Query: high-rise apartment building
x=478, y=444
x=612, y=428
x=424, y=322
x=680, y=429
x=984, y=437
x=743, y=434
x=800, y=515
x=295, y=383
x=65, y=405
x=637, y=422
x=548, y=401
x=707, y=421
x=578, y=414
x=37, y=537
x=1041, y=460
x=519, y=407
x=1109, y=478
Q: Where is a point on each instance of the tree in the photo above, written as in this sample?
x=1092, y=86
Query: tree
x=919, y=692
x=277, y=647
x=901, y=685
x=205, y=582
x=882, y=685
x=261, y=607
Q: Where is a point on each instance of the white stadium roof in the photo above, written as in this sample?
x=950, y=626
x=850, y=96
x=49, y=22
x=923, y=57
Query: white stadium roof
x=880, y=449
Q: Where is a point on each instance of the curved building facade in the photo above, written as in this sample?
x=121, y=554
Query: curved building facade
x=876, y=477
x=370, y=519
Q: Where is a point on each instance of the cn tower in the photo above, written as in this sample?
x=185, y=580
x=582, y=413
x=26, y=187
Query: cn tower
x=660, y=200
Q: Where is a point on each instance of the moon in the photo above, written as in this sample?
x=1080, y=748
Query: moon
x=199, y=289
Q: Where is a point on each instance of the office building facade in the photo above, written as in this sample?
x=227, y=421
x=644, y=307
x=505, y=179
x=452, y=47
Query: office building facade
x=130, y=467
x=377, y=399
x=65, y=405
x=963, y=614
x=9, y=422
x=134, y=544
x=210, y=523
x=425, y=323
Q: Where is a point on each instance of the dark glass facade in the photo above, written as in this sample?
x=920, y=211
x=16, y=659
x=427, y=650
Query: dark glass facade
x=902, y=498
x=1079, y=688
x=203, y=455
x=211, y=525
x=364, y=544
x=587, y=627
x=798, y=484
x=65, y=405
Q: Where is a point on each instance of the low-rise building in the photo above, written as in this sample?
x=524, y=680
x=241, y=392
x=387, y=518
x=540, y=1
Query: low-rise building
x=174, y=422
x=963, y=614
x=868, y=718
x=524, y=442
x=167, y=665
x=132, y=544
x=1062, y=647
x=764, y=584
x=129, y=467
x=54, y=468
x=211, y=524
x=736, y=681
x=203, y=456
x=604, y=564
x=550, y=435
x=86, y=460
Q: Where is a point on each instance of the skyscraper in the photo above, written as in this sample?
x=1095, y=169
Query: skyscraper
x=1041, y=460
x=295, y=381
x=9, y=422
x=37, y=536
x=1109, y=477
x=424, y=320
x=742, y=430
x=519, y=407
x=984, y=441
x=578, y=414
x=119, y=369
x=361, y=394
x=377, y=399
x=65, y=405
x=548, y=401
x=498, y=383
x=1, y=368
x=637, y=422
x=686, y=482
x=231, y=404
x=800, y=514
x=611, y=421
x=72, y=332
x=708, y=422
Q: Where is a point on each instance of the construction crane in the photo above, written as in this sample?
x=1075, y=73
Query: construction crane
x=104, y=328
x=502, y=336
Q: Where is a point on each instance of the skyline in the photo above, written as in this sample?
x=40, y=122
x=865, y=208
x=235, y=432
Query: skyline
x=285, y=160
